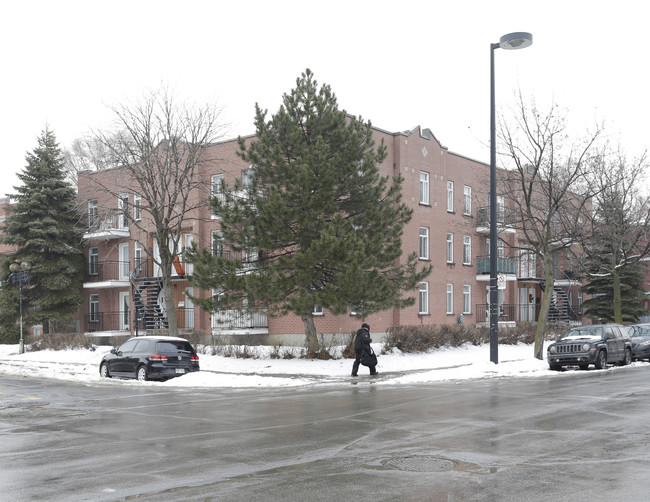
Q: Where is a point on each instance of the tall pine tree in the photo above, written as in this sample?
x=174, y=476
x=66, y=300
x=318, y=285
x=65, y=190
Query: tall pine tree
x=315, y=224
x=600, y=308
x=45, y=227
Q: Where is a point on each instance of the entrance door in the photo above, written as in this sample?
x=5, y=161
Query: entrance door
x=124, y=311
x=124, y=261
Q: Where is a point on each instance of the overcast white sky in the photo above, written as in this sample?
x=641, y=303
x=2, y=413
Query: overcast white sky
x=399, y=64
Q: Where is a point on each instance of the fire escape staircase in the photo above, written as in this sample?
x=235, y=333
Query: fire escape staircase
x=560, y=308
x=149, y=303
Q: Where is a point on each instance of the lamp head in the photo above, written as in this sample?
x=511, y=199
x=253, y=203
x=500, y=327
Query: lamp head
x=517, y=40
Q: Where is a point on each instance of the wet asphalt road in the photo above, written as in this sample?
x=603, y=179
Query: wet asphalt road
x=577, y=437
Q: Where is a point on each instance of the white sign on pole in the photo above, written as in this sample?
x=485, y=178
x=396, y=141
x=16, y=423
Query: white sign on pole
x=501, y=281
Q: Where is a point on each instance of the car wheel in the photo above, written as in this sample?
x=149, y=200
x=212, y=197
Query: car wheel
x=141, y=373
x=628, y=357
x=601, y=360
x=584, y=366
x=103, y=371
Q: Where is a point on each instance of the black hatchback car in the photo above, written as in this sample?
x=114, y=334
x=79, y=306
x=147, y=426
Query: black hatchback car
x=596, y=344
x=150, y=358
x=640, y=336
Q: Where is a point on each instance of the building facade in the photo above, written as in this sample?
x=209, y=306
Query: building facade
x=449, y=230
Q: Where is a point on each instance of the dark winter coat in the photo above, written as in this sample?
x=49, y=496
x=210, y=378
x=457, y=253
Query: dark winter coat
x=362, y=341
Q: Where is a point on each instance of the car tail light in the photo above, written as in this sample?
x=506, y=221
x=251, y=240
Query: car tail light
x=195, y=359
x=158, y=357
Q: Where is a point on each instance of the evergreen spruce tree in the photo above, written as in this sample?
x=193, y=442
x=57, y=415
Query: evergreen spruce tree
x=600, y=308
x=315, y=225
x=44, y=226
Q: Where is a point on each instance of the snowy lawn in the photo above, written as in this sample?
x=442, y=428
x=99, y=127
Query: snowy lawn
x=461, y=363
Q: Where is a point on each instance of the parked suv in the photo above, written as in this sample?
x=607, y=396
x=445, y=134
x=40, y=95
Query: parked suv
x=595, y=344
x=150, y=358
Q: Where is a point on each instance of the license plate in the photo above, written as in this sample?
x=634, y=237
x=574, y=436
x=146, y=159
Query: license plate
x=180, y=370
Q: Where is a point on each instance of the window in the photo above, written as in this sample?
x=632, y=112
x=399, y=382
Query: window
x=450, y=196
x=424, y=188
x=216, y=188
x=424, y=243
x=93, y=261
x=123, y=211
x=217, y=243
x=467, y=200
x=92, y=213
x=467, y=250
x=450, y=298
x=467, y=299
x=318, y=310
x=124, y=264
x=450, y=248
x=93, y=303
x=501, y=209
x=137, y=206
x=138, y=260
x=424, y=298
x=247, y=176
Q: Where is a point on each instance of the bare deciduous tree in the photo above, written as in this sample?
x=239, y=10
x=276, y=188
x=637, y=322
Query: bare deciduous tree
x=618, y=232
x=162, y=147
x=547, y=184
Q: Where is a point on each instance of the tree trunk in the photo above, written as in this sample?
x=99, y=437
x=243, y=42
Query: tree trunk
x=618, y=305
x=310, y=331
x=545, y=307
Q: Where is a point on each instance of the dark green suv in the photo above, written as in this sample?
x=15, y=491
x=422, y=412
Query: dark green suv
x=596, y=344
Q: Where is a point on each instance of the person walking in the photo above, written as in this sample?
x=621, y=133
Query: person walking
x=362, y=344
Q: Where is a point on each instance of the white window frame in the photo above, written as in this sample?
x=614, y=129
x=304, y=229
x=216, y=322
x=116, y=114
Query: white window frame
x=125, y=316
x=467, y=200
x=137, y=206
x=450, y=298
x=216, y=189
x=450, y=196
x=423, y=297
x=450, y=247
x=424, y=188
x=467, y=299
x=467, y=249
x=93, y=261
x=318, y=310
x=93, y=308
x=217, y=237
x=124, y=261
x=424, y=243
x=93, y=214
x=501, y=209
x=122, y=210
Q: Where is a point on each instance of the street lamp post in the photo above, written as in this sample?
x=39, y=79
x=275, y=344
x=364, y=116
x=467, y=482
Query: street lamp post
x=19, y=275
x=511, y=41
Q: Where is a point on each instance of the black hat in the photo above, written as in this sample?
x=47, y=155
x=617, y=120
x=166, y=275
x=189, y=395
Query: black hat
x=365, y=326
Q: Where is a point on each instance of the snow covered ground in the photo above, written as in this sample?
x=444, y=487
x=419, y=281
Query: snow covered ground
x=462, y=363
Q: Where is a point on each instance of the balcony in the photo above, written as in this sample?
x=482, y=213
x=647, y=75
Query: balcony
x=505, y=266
x=505, y=221
x=120, y=322
x=108, y=274
x=109, y=225
x=97, y=322
x=240, y=321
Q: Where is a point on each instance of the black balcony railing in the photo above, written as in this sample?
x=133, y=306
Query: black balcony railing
x=106, y=321
x=239, y=319
x=125, y=321
x=107, y=271
x=507, y=312
x=504, y=265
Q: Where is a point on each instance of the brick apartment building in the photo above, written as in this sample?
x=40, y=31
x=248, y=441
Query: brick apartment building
x=449, y=229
